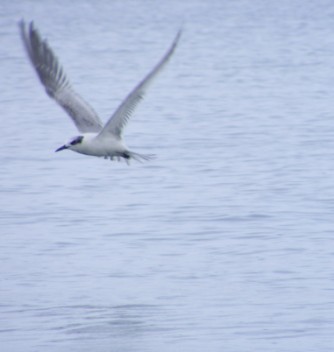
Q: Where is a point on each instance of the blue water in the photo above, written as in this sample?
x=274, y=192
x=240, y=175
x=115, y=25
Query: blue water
x=225, y=241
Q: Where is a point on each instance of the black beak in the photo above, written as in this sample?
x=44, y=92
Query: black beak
x=62, y=148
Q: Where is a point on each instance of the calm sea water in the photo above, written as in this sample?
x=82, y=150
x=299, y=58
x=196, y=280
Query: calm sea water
x=225, y=241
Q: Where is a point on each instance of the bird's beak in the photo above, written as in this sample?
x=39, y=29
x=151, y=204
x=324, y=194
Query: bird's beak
x=62, y=148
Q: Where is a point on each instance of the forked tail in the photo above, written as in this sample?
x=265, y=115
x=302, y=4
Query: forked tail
x=140, y=157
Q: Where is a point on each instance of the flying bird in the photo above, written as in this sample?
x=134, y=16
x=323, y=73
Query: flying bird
x=95, y=139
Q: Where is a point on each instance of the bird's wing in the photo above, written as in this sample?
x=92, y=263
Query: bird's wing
x=121, y=116
x=54, y=79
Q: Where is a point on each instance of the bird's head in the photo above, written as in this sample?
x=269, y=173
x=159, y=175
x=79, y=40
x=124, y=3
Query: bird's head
x=73, y=142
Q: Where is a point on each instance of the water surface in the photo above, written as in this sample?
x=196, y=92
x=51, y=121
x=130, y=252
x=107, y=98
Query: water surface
x=224, y=241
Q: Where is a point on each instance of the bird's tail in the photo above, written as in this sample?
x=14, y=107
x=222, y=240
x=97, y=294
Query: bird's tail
x=140, y=157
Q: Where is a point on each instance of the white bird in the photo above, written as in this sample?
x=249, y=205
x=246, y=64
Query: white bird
x=94, y=139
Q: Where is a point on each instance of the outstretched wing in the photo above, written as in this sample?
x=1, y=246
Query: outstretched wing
x=54, y=79
x=121, y=116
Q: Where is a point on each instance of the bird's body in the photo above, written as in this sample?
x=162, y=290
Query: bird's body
x=94, y=146
x=95, y=139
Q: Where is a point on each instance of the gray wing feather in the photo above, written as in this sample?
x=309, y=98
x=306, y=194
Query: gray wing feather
x=121, y=116
x=54, y=79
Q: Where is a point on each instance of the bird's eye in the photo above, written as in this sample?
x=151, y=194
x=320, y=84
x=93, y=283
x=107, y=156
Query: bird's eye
x=77, y=140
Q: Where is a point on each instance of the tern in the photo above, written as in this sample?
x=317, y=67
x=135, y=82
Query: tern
x=95, y=139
